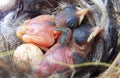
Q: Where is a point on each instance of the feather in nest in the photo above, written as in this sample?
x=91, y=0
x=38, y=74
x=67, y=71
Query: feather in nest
x=100, y=14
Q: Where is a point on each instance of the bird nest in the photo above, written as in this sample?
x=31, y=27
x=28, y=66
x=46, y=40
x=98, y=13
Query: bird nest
x=104, y=57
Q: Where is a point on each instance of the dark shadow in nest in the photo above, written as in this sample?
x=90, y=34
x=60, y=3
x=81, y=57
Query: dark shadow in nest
x=38, y=7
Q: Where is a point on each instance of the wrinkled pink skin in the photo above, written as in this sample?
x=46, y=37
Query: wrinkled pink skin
x=63, y=54
x=39, y=31
x=57, y=53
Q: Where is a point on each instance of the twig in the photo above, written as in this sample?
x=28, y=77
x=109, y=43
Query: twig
x=6, y=53
x=115, y=63
x=85, y=64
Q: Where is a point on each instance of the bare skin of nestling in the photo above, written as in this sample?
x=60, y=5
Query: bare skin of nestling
x=73, y=52
x=39, y=31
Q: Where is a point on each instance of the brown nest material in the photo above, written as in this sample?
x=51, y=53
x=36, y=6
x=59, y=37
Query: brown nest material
x=104, y=13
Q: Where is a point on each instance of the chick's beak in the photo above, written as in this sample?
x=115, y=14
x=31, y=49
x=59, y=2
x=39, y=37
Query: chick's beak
x=81, y=13
x=94, y=32
x=20, y=31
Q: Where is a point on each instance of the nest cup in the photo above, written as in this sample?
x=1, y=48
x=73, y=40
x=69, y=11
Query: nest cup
x=13, y=14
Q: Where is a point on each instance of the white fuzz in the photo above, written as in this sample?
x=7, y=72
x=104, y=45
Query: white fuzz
x=8, y=18
x=6, y=4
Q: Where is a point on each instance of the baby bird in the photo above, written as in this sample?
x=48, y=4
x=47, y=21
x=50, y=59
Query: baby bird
x=38, y=31
x=70, y=16
x=73, y=52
